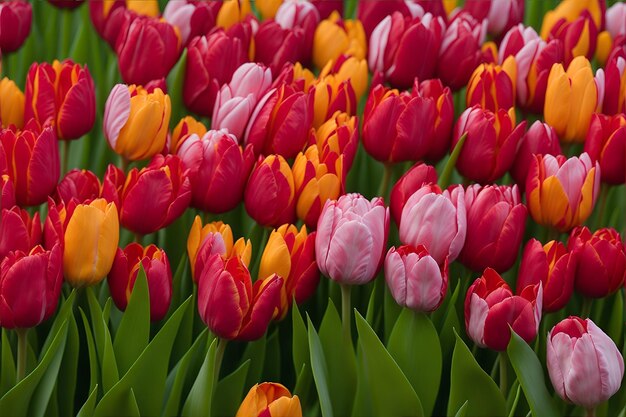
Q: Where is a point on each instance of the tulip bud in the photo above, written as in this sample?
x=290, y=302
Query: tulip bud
x=611, y=83
x=218, y=170
x=108, y=17
x=155, y=196
x=275, y=46
x=64, y=93
x=491, y=311
x=91, y=237
x=561, y=192
x=570, y=10
x=419, y=175
x=579, y=36
x=112, y=185
x=290, y=254
x=281, y=122
x=415, y=279
x=371, y=13
x=392, y=48
x=601, y=261
x=492, y=87
x=31, y=286
x=191, y=18
x=232, y=12
x=606, y=143
x=339, y=136
x=495, y=227
x=228, y=303
x=136, y=122
x=11, y=104
x=236, y=101
x=187, y=126
x=335, y=37
x=491, y=143
x=352, y=238
x=351, y=70
x=158, y=273
x=298, y=15
x=18, y=232
x=616, y=20
x=585, y=366
x=16, y=18
x=78, y=184
x=540, y=139
x=332, y=95
x=501, y=15
x=32, y=157
x=269, y=399
x=270, y=193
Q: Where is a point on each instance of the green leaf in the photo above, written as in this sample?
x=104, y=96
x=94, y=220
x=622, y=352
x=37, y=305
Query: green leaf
x=391, y=311
x=27, y=392
x=320, y=370
x=616, y=320
x=110, y=375
x=66, y=309
x=255, y=351
x=340, y=362
x=447, y=334
x=229, y=391
x=134, y=332
x=389, y=389
x=94, y=363
x=175, y=87
x=299, y=341
x=198, y=402
x=95, y=314
x=7, y=365
x=147, y=375
x=462, y=411
x=530, y=375
x=87, y=409
x=414, y=344
x=444, y=179
x=271, y=367
x=185, y=338
x=68, y=371
x=470, y=383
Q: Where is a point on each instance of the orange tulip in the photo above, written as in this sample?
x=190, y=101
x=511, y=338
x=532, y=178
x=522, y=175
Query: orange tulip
x=335, y=37
x=269, y=399
x=11, y=104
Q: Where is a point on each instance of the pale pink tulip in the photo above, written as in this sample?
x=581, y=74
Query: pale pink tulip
x=616, y=20
x=415, y=279
x=351, y=238
x=436, y=220
x=584, y=364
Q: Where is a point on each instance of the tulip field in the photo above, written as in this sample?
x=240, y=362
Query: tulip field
x=287, y=208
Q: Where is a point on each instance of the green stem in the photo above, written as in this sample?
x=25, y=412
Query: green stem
x=446, y=175
x=124, y=164
x=219, y=355
x=384, y=184
x=503, y=373
x=259, y=254
x=345, y=311
x=604, y=194
x=66, y=156
x=138, y=238
x=21, y=353
x=585, y=310
x=590, y=412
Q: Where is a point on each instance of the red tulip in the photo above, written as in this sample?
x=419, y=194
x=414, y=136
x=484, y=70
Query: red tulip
x=326, y=7
x=612, y=82
x=15, y=21
x=606, y=143
x=108, y=17
x=192, y=18
x=30, y=286
x=18, y=232
x=66, y=4
x=372, y=12
x=501, y=15
x=155, y=196
x=554, y=267
x=78, y=184
x=7, y=192
x=492, y=87
x=420, y=174
x=579, y=37
x=158, y=273
x=540, y=139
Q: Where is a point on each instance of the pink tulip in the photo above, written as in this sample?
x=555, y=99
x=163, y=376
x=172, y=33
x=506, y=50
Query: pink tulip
x=412, y=180
x=501, y=14
x=541, y=139
x=351, y=238
x=415, y=279
x=436, y=220
x=192, y=18
x=584, y=364
x=616, y=20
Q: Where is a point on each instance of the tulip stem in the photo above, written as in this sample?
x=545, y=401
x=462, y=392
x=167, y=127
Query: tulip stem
x=604, y=194
x=384, y=184
x=66, y=155
x=345, y=311
x=590, y=412
x=219, y=355
x=21, y=353
x=585, y=310
x=138, y=238
x=503, y=372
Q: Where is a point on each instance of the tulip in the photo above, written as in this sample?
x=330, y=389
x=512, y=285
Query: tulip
x=187, y=126
x=606, y=143
x=415, y=279
x=460, y=51
x=158, y=274
x=317, y=178
x=350, y=69
x=554, y=267
x=601, y=261
x=351, y=238
x=561, y=192
x=32, y=157
x=540, y=139
x=191, y=18
x=108, y=17
x=281, y=122
x=335, y=37
x=392, y=48
x=228, y=303
x=612, y=82
x=579, y=37
x=267, y=8
x=15, y=19
x=30, y=286
x=80, y=185
x=223, y=244
x=585, y=366
x=491, y=311
x=63, y=92
x=211, y=62
x=236, y=101
x=290, y=254
x=7, y=192
x=155, y=196
x=275, y=46
x=339, y=136
x=11, y=104
x=492, y=87
x=500, y=15
x=436, y=220
x=495, y=227
x=371, y=13
x=135, y=122
x=232, y=12
x=332, y=95
x=570, y=10
x=419, y=175
x=326, y=7
x=18, y=232
x=90, y=241
x=534, y=59
x=218, y=170
x=615, y=18
x=299, y=14
x=66, y=4
x=269, y=196
x=490, y=145
x=269, y=399
x=112, y=185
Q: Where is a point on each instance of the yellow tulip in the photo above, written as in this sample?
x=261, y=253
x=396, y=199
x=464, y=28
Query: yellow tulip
x=11, y=104
x=604, y=46
x=268, y=8
x=186, y=127
x=570, y=10
x=231, y=12
x=334, y=37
